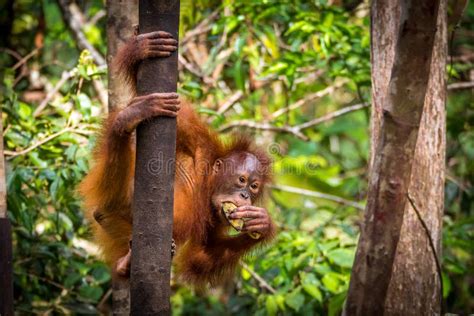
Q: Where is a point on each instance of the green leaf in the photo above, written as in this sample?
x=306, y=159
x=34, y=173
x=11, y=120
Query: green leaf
x=277, y=68
x=24, y=110
x=342, y=257
x=446, y=285
x=336, y=303
x=328, y=245
x=203, y=110
x=84, y=102
x=314, y=291
x=280, y=300
x=271, y=305
x=93, y=293
x=53, y=189
x=295, y=299
x=34, y=157
x=331, y=282
x=328, y=19
x=245, y=274
x=71, y=279
x=101, y=274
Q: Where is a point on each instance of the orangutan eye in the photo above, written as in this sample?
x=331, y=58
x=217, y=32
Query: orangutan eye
x=242, y=180
x=254, y=186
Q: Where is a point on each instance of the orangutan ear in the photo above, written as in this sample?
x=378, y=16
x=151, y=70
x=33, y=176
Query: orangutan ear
x=217, y=165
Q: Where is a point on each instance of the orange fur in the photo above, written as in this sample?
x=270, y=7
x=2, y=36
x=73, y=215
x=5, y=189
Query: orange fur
x=205, y=253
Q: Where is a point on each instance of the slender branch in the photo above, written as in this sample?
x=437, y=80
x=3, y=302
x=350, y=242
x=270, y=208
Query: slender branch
x=228, y=103
x=53, y=283
x=11, y=52
x=102, y=94
x=264, y=127
x=75, y=25
x=332, y=115
x=66, y=75
x=203, y=27
x=13, y=154
x=263, y=284
x=195, y=32
x=318, y=195
x=297, y=129
x=96, y=18
x=450, y=177
x=234, y=98
x=104, y=300
x=223, y=40
x=309, y=98
x=221, y=60
x=465, y=58
x=311, y=77
x=433, y=249
x=190, y=67
x=461, y=85
x=22, y=61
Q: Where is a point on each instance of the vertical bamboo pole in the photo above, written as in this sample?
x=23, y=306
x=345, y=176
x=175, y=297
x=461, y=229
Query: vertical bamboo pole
x=154, y=173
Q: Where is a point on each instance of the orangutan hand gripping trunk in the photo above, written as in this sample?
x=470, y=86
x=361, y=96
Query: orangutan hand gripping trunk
x=217, y=184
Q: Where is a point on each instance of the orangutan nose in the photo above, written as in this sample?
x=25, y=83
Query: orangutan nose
x=245, y=195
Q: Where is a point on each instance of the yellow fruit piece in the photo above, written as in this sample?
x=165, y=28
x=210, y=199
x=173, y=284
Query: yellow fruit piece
x=227, y=208
x=255, y=235
x=237, y=224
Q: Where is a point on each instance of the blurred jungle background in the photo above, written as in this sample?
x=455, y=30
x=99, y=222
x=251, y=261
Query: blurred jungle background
x=243, y=64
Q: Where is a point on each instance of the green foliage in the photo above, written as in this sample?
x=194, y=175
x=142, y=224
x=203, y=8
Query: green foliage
x=275, y=52
x=46, y=158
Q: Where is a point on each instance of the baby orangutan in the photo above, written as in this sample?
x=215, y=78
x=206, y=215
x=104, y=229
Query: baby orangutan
x=209, y=175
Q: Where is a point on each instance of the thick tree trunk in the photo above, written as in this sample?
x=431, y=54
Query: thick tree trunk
x=154, y=173
x=415, y=287
x=122, y=16
x=407, y=131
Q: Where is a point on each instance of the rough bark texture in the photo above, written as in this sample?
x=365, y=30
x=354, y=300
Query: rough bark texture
x=122, y=16
x=120, y=296
x=6, y=268
x=3, y=186
x=400, y=113
x=415, y=286
x=385, y=22
x=154, y=173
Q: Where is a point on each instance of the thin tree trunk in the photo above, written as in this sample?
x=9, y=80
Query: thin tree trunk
x=399, y=109
x=6, y=267
x=74, y=24
x=154, y=173
x=122, y=16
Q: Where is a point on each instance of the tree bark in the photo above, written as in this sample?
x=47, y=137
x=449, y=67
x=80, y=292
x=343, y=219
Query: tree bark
x=403, y=36
x=415, y=287
x=6, y=256
x=122, y=16
x=154, y=173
